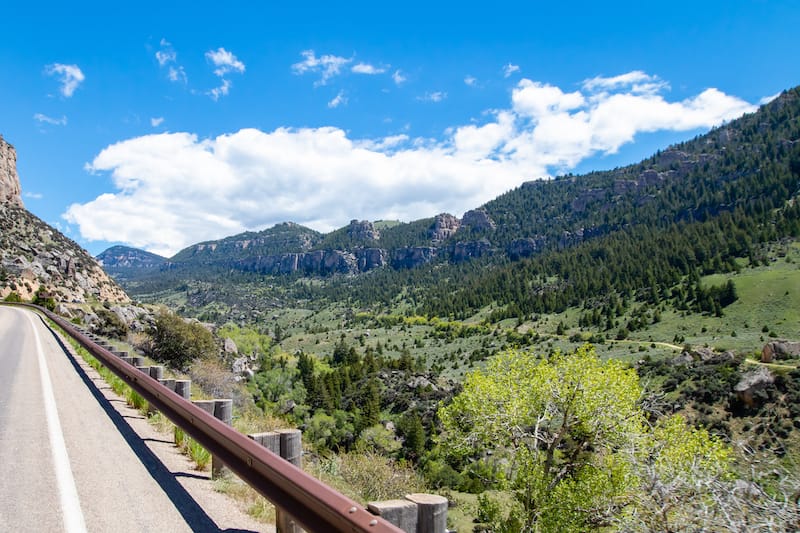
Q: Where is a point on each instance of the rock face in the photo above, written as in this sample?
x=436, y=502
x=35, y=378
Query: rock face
x=444, y=226
x=780, y=350
x=413, y=256
x=35, y=257
x=9, y=180
x=478, y=220
x=464, y=251
x=363, y=230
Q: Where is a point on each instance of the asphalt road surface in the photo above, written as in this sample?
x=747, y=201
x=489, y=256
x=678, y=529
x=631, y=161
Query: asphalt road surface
x=68, y=461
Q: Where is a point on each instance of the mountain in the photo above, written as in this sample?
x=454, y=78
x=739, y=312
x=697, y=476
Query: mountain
x=690, y=209
x=35, y=257
x=123, y=262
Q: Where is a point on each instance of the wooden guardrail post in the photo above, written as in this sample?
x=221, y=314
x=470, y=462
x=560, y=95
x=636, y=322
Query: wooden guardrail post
x=432, y=512
x=183, y=388
x=222, y=410
x=402, y=513
x=157, y=372
x=291, y=449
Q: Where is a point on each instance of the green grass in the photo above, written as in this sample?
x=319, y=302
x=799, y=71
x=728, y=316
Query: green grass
x=198, y=454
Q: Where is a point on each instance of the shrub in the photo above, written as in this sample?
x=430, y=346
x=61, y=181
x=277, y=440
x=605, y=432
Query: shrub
x=177, y=342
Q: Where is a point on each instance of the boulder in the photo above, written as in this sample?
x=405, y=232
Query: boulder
x=780, y=350
x=752, y=382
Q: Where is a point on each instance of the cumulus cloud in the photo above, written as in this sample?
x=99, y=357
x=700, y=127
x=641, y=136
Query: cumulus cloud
x=174, y=189
x=366, y=68
x=70, y=77
x=33, y=195
x=470, y=81
x=156, y=121
x=327, y=65
x=339, y=99
x=510, y=69
x=39, y=117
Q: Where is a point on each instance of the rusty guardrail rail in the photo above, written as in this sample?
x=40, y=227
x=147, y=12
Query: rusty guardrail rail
x=313, y=504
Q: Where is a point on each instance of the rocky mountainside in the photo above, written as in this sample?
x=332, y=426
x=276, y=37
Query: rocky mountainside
x=36, y=257
x=123, y=262
x=693, y=181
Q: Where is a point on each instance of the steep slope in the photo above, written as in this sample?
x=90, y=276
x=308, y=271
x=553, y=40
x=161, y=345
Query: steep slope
x=36, y=257
x=124, y=262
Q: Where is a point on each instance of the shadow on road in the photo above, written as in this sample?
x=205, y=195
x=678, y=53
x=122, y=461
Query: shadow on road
x=194, y=515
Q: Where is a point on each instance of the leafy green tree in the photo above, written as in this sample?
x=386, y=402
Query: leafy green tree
x=579, y=450
x=178, y=342
x=559, y=422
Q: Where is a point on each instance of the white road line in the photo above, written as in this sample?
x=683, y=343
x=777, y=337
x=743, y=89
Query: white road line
x=70, y=504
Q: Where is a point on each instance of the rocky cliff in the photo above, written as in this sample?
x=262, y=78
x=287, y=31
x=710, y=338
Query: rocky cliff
x=35, y=257
x=9, y=181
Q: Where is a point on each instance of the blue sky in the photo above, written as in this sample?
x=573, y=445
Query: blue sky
x=169, y=123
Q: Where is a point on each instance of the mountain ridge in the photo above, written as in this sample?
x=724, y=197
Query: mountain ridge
x=687, y=181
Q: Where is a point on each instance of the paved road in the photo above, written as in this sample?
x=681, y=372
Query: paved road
x=68, y=461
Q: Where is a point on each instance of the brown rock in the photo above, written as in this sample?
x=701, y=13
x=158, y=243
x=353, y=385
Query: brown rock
x=780, y=350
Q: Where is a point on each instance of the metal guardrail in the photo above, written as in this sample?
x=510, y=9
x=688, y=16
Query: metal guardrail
x=313, y=504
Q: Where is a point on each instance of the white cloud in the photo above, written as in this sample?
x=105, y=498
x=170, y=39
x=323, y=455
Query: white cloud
x=222, y=90
x=177, y=74
x=33, y=195
x=225, y=62
x=327, y=65
x=366, y=68
x=637, y=82
x=167, y=57
x=339, y=99
x=156, y=121
x=174, y=189
x=436, y=96
x=398, y=77
x=768, y=99
x=39, y=117
x=470, y=80
x=70, y=77
x=510, y=69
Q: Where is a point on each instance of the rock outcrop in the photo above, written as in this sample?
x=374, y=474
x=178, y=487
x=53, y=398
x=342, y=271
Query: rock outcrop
x=780, y=350
x=413, y=256
x=478, y=220
x=35, y=257
x=363, y=230
x=444, y=226
x=9, y=180
x=464, y=251
x=753, y=382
